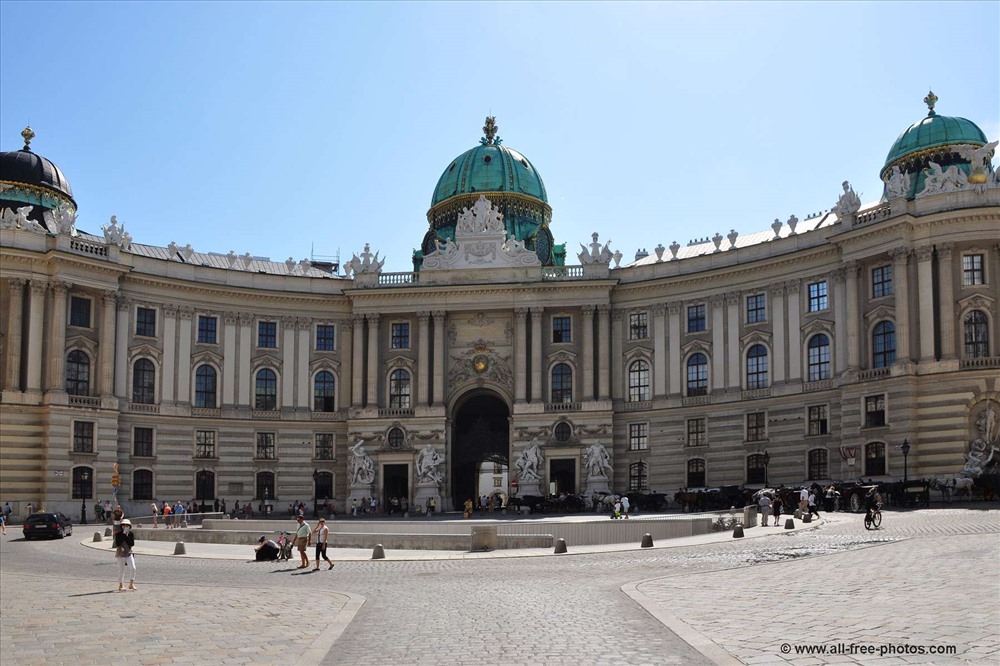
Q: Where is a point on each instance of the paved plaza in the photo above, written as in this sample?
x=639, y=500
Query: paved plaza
x=927, y=581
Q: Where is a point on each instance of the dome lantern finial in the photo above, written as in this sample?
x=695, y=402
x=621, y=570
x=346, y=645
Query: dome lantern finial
x=930, y=101
x=27, y=134
x=490, y=132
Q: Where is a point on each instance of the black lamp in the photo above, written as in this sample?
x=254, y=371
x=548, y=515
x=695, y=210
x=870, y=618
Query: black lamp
x=906, y=451
x=767, y=461
x=84, y=494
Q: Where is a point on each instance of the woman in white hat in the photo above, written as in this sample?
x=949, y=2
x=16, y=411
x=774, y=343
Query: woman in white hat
x=124, y=542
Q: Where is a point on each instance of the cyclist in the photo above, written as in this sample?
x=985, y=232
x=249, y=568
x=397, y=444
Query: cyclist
x=872, y=503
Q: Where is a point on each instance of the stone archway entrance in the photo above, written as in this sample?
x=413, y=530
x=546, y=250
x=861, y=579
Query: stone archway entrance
x=480, y=446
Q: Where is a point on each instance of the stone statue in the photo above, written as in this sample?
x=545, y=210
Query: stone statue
x=528, y=461
x=983, y=448
x=482, y=218
x=596, y=254
x=65, y=219
x=362, y=465
x=849, y=202
x=428, y=461
x=597, y=460
x=365, y=263
x=898, y=184
x=938, y=180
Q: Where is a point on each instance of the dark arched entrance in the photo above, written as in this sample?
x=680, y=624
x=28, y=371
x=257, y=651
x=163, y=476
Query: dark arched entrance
x=480, y=434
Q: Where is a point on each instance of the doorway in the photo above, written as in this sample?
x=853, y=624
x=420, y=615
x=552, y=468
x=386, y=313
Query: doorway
x=480, y=442
x=395, y=485
x=562, y=475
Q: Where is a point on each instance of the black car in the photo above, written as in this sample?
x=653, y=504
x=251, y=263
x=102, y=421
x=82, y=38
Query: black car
x=47, y=525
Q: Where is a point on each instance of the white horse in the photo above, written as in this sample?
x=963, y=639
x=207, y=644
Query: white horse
x=955, y=486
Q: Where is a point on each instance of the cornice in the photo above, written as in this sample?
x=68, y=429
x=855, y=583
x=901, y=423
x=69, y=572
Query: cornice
x=226, y=293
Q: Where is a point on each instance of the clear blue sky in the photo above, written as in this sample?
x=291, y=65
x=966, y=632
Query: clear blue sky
x=276, y=128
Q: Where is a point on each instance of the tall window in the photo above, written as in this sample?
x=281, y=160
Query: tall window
x=142, y=442
x=817, y=297
x=638, y=436
x=142, y=484
x=562, y=383
x=83, y=437
x=324, y=394
x=266, y=390
x=818, y=464
x=977, y=335
x=757, y=367
x=755, y=468
x=145, y=322
x=561, y=329
x=144, y=382
x=265, y=446
x=874, y=459
x=884, y=344
x=205, y=387
x=83, y=483
x=204, y=485
x=637, y=477
x=267, y=334
x=696, y=318
x=756, y=426
x=207, y=330
x=972, y=270
x=325, y=337
x=401, y=335
x=875, y=411
x=638, y=381
x=881, y=281
x=697, y=375
x=818, y=352
x=756, y=308
x=264, y=486
x=79, y=312
x=204, y=444
x=696, y=473
x=696, y=432
x=817, y=420
x=638, y=326
x=399, y=389
x=77, y=373
x=324, y=446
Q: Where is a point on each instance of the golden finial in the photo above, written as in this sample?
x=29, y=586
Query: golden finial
x=27, y=135
x=930, y=101
x=490, y=130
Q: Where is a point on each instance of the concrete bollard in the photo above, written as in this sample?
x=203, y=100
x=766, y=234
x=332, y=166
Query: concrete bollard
x=97, y=537
x=807, y=518
x=738, y=531
x=560, y=546
x=179, y=548
x=789, y=524
x=378, y=552
x=647, y=541
x=107, y=531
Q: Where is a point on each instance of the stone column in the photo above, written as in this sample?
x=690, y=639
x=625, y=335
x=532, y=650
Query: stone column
x=229, y=360
x=852, y=313
x=106, y=345
x=288, y=362
x=57, y=354
x=659, y=332
x=423, y=358
x=777, y=295
x=303, y=396
x=36, y=333
x=247, y=390
x=718, y=343
x=345, y=348
x=520, y=354
x=588, y=352
x=536, y=354
x=674, y=344
x=12, y=378
x=900, y=257
x=946, y=285
x=184, y=370
x=373, y=365
x=925, y=287
x=169, y=369
x=604, y=351
x=733, y=339
x=358, y=366
x=439, y=358
x=122, y=339
x=839, y=324
x=616, y=355
x=794, y=330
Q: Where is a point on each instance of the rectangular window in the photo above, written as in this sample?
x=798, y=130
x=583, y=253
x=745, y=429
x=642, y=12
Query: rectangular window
x=401, y=335
x=208, y=330
x=756, y=430
x=325, y=337
x=637, y=477
x=79, y=312
x=972, y=269
x=204, y=444
x=817, y=420
x=756, y=308
x=875, y=411
x=267, y=334
x=818, y=464
x=83, y=437
x=817, y=297
x=696, y=434
x=142, y=442
x=881, y=281
x=265, y=446
x=638, y=326
x=696, y=318
x=324, y=446
x=561, y=329
x=638, y=436
x=145, y=322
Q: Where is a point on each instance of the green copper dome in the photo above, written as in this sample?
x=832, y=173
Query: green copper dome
x=932, y=132
x=489, y=168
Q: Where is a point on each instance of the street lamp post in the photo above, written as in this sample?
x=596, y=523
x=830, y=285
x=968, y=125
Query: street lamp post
x=906, y=452
x=84, y=496
x=315, y=493
x=767, y=461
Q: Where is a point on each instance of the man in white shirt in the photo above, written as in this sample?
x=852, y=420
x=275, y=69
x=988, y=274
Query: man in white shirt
x=764, y=507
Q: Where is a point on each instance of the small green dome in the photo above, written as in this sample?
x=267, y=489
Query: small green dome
x=489, y=168
x=932, y=132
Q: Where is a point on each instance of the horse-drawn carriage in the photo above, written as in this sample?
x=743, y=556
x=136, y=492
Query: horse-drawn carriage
x=713, y=499
x=564, y=503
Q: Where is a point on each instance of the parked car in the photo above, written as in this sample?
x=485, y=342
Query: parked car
x=47, y=525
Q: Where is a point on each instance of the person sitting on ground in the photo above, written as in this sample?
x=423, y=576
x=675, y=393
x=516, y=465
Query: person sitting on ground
x=267, y=550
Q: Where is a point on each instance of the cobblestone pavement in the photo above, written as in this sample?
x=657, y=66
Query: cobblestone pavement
x=697, y=604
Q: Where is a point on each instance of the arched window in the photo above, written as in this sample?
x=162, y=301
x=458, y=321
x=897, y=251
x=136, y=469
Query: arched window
x=204, y=485
x=205, y=387
x=144, y=382
x=637, y=477
x=819, y=357
x=142, y=484
x=396, y=439
x=756, y=468
x=638, y=381
x=884, y=344
x=757, y=367
x=324, y=398
x=977, y=335
x=697, y=375
x=874, y=459
x=265, y=486
x=696, y=473
x=818, y=465
x=324, y=486
x=399, y=389
x=562, y=383
x=77, y=373
x=83, y=483
x=266, y=396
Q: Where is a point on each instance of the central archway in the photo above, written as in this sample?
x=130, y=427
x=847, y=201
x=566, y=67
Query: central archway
x=480, y=434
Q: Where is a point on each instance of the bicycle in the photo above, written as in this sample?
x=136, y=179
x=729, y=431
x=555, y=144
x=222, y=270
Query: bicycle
x=873, y=518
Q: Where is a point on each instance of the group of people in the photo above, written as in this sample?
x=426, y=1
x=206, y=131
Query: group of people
x=173, y=516
x=267, y=550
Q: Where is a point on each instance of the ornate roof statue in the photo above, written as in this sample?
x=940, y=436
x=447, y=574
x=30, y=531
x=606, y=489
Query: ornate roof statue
x=490, y=131
x=596, y=254
x=848, y=204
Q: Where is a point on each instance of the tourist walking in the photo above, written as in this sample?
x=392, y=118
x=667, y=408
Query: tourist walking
x=322, y=533
x=124, y=542
x=156, y=513
x=302, y=537
x=776, y=508
x=625, y=506
x=764, y=507
x=812, y=504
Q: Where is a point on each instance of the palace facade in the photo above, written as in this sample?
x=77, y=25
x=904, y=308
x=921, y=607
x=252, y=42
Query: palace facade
x=807, y=352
